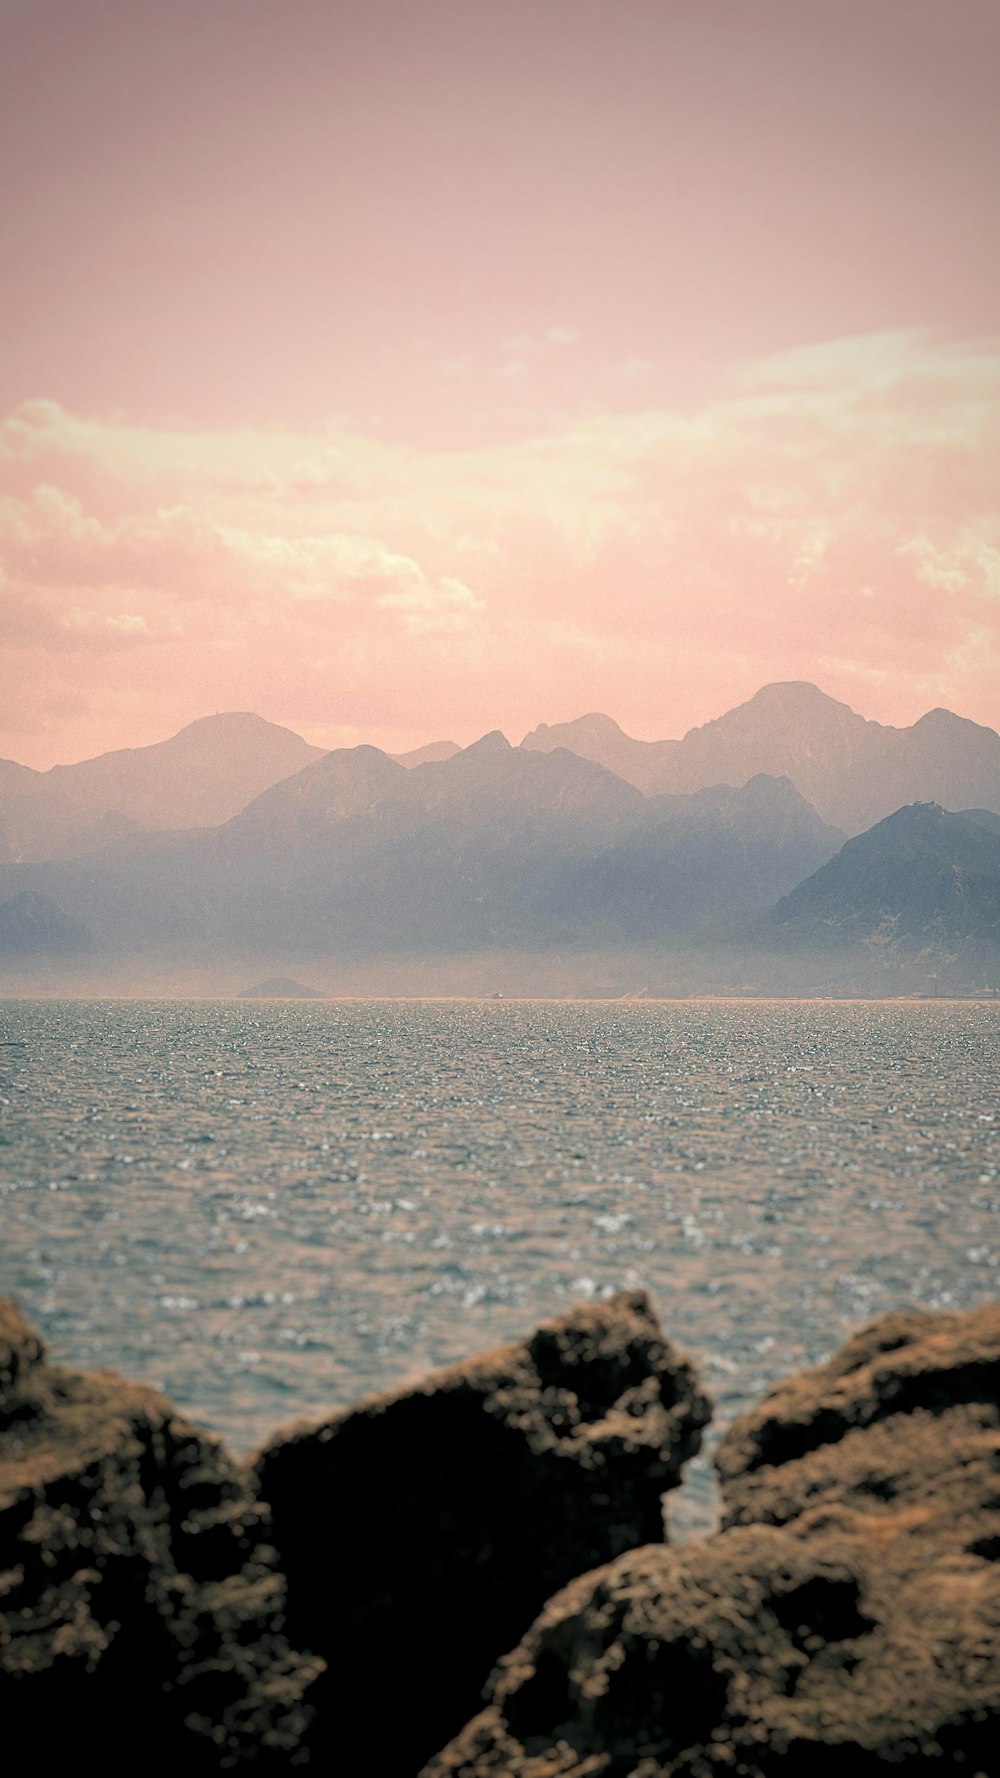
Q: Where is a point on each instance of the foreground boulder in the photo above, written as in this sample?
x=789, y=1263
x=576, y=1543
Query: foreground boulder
x=140, y=1607
x=903, y=1419
x=423, y=1530
x=846, y=1620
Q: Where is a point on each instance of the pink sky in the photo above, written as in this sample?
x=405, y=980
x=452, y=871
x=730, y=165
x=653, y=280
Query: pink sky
x=402, y=368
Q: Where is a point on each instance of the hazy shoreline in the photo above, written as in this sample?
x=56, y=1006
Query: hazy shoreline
x=858, y=999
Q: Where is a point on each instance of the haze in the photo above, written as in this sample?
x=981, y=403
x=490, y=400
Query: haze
x=402, y=370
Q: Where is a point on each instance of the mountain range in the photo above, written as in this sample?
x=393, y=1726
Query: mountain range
x=199, y=778
x=237, y=838
x=490, y=848
x=854, y=772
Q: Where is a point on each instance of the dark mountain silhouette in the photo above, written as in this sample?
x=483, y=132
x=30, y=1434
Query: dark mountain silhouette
x=922, y=881
x=854, y=772
x=200, y=777
x=497, y=846
x=31, y=926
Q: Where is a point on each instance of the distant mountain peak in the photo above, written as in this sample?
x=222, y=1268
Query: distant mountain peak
x=910, y=815
x=341, y=784
x=853, y=771
x=364, y=751
x=783, y=701
x=228, y=718
x=490, y=746
x=773, y=787
x=787, y=690
x=223, y=726
x=199, y=777
x=799, y=694
x=940, y=719
x=595, y=724
x=361, y=764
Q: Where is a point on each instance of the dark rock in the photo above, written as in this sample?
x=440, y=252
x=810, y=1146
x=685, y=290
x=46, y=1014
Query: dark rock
x=141, y=1612
x=421, y=1531
x=846, y=1620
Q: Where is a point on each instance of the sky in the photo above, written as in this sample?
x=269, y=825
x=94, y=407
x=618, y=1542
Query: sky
x=403, y=369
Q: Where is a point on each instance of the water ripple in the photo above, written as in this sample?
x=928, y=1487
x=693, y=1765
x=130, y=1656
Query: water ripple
x=269, y=1209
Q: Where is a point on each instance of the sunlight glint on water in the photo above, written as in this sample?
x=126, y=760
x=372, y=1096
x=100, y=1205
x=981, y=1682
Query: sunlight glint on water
x=272, y=1208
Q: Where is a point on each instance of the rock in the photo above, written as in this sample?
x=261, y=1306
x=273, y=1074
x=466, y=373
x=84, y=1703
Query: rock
x=140, y=1606
x=846, y=1620
x=421, y=1531
x=897, y=1418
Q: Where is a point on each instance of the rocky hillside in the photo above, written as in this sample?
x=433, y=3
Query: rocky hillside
x=923, y=881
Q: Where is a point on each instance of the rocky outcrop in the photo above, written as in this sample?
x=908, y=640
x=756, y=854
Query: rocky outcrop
x=140, y=1603
x=847, y=1619
x=905, y=1419
x=421, y=1531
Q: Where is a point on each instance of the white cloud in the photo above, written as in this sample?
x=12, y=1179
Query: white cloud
x=835, y=511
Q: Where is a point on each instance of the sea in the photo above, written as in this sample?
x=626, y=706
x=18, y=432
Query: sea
x=273, y=1208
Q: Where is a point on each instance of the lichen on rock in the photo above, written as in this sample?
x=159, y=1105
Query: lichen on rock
x=847, y=1619
x=141, y=1606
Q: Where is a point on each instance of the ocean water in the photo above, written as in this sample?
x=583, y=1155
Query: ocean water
x=272, y=1208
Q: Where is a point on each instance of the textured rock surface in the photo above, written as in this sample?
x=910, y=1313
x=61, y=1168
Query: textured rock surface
x=422, y=1531
x=905, y=1415
x=846, y=1621
x=140, y=1608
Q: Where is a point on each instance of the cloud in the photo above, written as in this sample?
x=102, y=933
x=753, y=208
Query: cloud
x=448, y=607
x=831, y=515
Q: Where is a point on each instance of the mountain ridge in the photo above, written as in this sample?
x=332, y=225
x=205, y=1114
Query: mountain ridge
x=492, y=847
x=923, y=881
x=854, y=771
x=206, y=772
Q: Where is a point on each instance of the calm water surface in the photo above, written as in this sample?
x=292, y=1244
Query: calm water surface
x=269, y=1208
